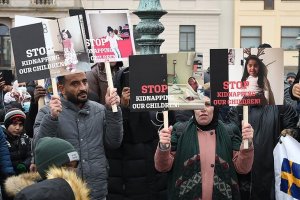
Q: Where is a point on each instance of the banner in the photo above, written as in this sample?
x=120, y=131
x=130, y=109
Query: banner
x=287, y=169
x=110, y=36
x=245, y=77
x=50, y=48
x=166, y=82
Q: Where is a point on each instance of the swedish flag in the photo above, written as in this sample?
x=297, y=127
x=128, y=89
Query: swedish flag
x=290, y=178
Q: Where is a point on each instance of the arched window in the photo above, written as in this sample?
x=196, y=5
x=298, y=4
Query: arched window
x=5, y=46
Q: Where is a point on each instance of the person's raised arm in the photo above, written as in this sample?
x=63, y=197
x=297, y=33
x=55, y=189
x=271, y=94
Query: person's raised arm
x=243, y=159
x=113, y=121
x=163, y=158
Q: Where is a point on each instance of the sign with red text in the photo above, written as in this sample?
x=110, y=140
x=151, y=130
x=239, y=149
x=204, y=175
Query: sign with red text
x=247, y=77
x=165, y=82
x=109, y=35
x=48, y=48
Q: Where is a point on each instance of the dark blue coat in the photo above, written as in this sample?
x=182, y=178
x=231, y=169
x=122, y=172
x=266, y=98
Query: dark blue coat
x=6, y=167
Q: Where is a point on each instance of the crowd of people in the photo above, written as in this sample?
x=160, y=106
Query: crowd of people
x=77, y=148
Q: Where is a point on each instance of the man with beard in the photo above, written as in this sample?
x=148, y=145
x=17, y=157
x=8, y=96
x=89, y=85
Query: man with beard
x=87, y=125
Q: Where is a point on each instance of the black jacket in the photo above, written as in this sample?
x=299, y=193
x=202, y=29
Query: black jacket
x=20, y=151
x=267, y=122
x=132, y=174
x=60, y=184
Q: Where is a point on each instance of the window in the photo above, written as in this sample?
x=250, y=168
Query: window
x=187, y=38
x=288, y=37
x=269, y=5
x=250, y=36
x=136, y=35
x=43, y=2
x=5, y=45
x=4, y=2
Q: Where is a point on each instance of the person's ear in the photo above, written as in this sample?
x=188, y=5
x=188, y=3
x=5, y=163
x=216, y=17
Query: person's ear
x=61, y=88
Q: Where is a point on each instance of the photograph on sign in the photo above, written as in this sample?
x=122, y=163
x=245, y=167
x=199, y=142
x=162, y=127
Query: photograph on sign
x=185, y=81
x=110, y=35
x=69, y=45
x=50, y=48
x=166, y=82
x=245, y=77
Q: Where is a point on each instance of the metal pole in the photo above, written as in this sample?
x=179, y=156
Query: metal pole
x=150, y=11
x=298, y=47
x=299, y=59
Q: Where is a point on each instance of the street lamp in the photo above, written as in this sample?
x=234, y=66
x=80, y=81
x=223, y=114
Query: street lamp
x=298, y=47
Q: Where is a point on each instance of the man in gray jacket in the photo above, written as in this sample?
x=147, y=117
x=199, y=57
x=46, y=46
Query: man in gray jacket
x=87, y=125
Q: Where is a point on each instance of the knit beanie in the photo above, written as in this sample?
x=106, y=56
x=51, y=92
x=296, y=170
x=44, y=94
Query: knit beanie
x=12, y=115
x=53, y=152
x=291, y=74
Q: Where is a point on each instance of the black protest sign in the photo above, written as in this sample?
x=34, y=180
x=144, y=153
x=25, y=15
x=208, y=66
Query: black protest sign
x=148, y=82
x=246, y=77
x=166, y=82
x=30, y=52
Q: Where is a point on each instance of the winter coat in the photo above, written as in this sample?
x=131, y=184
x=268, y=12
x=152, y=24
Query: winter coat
x=132, y=174
x=291, y=88
x=267, y=122
x=287, y=96
x=88, y=129
x=60, y=184
x=20, y=151
x=6, y=167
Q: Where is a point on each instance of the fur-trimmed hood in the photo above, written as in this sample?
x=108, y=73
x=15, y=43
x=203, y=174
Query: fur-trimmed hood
x=14, y=184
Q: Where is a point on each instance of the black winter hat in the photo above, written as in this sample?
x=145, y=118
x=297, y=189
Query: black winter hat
x=291, y=74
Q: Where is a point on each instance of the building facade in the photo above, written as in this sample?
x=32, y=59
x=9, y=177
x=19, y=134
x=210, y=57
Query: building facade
x=190, y=25
x=276, y=22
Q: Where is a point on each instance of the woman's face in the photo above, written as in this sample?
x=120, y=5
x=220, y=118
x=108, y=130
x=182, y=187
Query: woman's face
x=253, y=68
x=64, y=35
x=205, y=115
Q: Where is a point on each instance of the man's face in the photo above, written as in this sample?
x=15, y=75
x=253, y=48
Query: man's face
x=290, y=80
x=75, y=88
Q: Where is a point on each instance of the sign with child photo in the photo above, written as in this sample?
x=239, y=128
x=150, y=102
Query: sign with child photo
x=48, y=48
x=247, y=77
x=109, y=36
x=166, y=82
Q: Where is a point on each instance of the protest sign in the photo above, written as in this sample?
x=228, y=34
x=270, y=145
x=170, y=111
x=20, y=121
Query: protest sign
x=244, y=77
x=109, y=34
x=165, y=82
x=50, y=48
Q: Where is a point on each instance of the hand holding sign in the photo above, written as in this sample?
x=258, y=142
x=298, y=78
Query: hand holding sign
x=296, y=90
x=125, y=98
x=165, y=137
x=247, y=133
x=112, y=98
x=55, y=106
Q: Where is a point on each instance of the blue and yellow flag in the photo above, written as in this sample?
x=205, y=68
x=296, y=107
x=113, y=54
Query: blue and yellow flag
x=287, y=169
x=290, y=178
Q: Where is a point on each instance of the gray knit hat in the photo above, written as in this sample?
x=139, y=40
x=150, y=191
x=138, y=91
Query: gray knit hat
x=14, y=114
